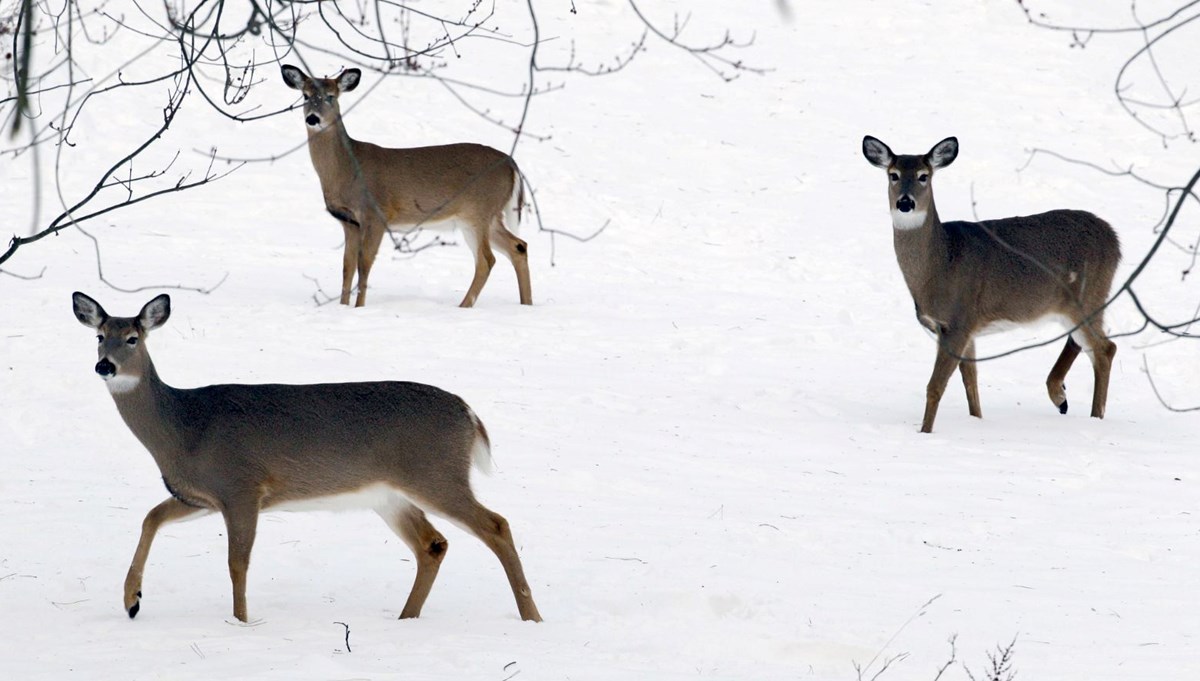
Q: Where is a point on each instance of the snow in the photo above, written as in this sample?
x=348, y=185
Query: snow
x=705, y=429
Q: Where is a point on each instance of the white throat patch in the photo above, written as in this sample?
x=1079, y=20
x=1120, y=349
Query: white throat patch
x=121, y=384
x=913, y=219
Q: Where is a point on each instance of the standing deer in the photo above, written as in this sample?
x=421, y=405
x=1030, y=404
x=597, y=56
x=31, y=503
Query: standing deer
x=969, y=278
x=370, y=189
x=400, y=449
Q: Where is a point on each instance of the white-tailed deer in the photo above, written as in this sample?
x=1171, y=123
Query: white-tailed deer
x=400, y=449
x=969, y=278
x=370, y=189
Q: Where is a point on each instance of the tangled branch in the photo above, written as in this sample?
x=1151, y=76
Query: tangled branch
x=1165, y=112
x=1169, y=99
x=219, y=50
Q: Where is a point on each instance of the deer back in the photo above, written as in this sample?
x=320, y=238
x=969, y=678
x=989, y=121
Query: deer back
x=1014, y=269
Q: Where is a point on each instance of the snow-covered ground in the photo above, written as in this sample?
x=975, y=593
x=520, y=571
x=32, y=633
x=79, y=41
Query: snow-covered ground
x=706, y=426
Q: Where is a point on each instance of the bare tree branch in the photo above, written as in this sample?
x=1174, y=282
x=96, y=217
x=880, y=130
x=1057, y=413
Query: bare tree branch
x=218, y=52
x=712, y=56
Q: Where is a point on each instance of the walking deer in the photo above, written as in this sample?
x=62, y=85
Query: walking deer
x=371, y=189
x=400, y=449
x=970, y=278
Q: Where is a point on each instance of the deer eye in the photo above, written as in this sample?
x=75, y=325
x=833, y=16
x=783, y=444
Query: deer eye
x=923, y=178
x=329, y=99
x=132, y=340
x=894, y=177
x=99, y=339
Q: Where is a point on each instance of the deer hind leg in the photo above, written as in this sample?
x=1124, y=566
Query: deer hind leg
x=1101, y=351
x=169, y=511
x=477, y=239
x=952, y=344
x=427, y=544
x=1058, y=373
x=371, y=239
x=517, y=252
x=970, y=377
x=493, y=530
x=241, y=523
x=350, y=259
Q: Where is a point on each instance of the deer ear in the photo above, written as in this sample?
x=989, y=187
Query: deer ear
x=943, y=153
x=349, y=79
x=878, y=154
x=293, y=76
x=87, y=311
x=155, y=313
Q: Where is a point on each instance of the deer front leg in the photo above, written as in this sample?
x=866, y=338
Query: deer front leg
x=168, y=511
x=350, y=258
x=241, y=521
x=951, y=345
x=372, y=236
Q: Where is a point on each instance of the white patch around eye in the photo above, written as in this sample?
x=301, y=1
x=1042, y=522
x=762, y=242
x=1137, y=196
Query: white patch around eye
x=913, y=219
x=121, y=384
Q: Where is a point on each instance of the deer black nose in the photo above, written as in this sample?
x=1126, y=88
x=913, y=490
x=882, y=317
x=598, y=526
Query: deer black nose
x=106, y=368
x=905, y=204
x=312, y=119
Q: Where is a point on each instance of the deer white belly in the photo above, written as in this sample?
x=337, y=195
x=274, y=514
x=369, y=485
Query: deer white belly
x=379, y=495
x=1000, y=326
x=1062, y=321
x=440, y=225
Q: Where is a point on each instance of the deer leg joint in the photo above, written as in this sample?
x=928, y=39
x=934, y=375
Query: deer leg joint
x=343, y=216
x=175, y=493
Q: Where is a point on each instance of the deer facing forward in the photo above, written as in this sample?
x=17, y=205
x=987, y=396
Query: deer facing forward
x=969, y=278
x=370, y=189
x=400, y=449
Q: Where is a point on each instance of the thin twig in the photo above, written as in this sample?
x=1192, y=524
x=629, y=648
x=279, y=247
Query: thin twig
x=347, y=626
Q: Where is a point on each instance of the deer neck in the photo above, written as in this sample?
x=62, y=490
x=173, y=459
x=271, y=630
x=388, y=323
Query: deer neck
x=330, y=149
x=154, y=414
x=338, y=164
x=921, y=252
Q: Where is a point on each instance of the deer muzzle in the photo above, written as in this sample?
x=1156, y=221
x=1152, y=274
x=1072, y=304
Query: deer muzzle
x=106, y=368
x=905, y=204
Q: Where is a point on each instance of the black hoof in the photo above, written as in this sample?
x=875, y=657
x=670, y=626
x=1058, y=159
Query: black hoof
x=137, y=605
x=1062, y=408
